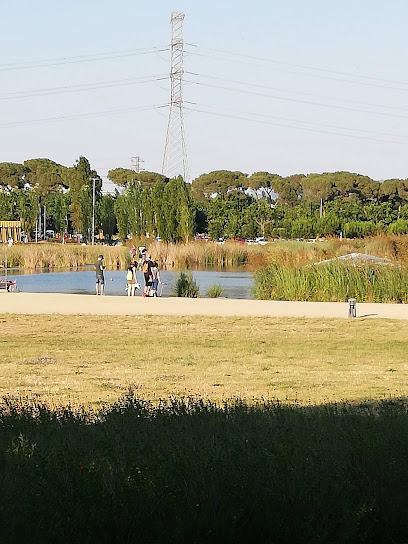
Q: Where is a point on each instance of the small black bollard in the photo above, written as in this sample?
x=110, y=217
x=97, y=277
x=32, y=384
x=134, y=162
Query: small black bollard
x=352, y=307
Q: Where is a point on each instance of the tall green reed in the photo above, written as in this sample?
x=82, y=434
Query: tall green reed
x=334, y=281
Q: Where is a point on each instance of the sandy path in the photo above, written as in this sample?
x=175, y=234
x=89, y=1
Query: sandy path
x=50, y=303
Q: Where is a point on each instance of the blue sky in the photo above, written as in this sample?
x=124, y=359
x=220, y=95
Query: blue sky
x=288, y=87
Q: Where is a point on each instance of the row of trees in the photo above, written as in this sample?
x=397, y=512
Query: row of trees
x=221, y=203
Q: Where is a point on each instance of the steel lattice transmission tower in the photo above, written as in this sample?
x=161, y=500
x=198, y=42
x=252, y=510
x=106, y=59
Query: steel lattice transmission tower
x=136, y=164
x=175, y=160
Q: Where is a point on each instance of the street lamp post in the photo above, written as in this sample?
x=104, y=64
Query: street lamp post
x=93, y=210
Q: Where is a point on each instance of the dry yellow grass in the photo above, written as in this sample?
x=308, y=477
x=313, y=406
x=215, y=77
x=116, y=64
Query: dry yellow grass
x=198, y=254
x=87, y=359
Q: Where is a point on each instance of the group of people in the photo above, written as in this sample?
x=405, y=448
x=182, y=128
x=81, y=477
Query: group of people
x=144, y=263
x=150, y=271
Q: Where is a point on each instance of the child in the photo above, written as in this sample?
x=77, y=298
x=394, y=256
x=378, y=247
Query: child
x=154, y=270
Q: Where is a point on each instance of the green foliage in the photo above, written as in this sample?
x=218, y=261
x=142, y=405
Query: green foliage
x=125, y=176
x=11, y=175
x=220, y=182
x=223, y=204
x=45, y=175
x=333, y=282
x=142, y=472
x=186, y=286
x=107, y=215
x=214, y=291
x=122, y=216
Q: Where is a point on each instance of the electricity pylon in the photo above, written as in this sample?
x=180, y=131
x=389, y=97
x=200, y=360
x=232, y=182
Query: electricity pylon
x=175, y=160
x=136, y=164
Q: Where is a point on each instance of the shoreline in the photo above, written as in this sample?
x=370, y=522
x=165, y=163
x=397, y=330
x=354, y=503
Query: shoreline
x=69, y=304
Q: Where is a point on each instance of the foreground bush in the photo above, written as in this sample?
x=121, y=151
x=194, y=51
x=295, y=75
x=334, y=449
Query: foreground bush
x=186, y=286
x=333, y=281
x=214, y=291
x=188, y=471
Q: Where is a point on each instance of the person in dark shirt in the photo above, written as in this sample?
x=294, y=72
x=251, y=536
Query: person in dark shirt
x=100, y=280
x=147, y=265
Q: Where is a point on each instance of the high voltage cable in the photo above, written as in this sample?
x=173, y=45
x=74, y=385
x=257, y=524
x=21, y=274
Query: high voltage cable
x=83, y=87
x=302, y=66
x=295, y=92
x=83, y=58
x=320, y=104
x=341, y=80
x=81, y=115
x=200, y=110
x=291, y=120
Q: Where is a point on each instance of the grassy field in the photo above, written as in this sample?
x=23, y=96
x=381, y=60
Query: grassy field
x=196, y=467
x=191, y=472
x=85, y=359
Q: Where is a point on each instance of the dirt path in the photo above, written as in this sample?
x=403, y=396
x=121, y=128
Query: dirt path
x=50, y=303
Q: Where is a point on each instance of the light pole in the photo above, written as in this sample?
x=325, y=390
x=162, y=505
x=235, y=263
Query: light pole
x=93, y=210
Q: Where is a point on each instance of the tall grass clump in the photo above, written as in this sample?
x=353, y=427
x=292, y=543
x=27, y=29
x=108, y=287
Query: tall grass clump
x=333, y=281
x=186, y=286
x=187, y=470
x=199, y=254
x=53, y=255
x=214, y=291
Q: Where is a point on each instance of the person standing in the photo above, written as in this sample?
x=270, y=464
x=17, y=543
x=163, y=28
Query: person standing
x=147, y=265
x=131, y=279
x=100, y=280
x=142, y=256
x=156, y=279
x=132, y=252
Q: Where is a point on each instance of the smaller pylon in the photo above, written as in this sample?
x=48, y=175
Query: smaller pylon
x=136, y=162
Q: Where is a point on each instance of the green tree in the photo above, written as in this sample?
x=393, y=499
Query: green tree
x=266, y=184
x=395, y=190
x=11, y=175
x=80, y=189
x=124, y=176
x=44, y=175
x=107, y=215
x=289, y=190
x=121, y=209
x=316, y=187
x=157, y=195
x=26, y=201
x=219, y=182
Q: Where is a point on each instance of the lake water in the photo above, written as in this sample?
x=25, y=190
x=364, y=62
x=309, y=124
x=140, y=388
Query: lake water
x=234, y=284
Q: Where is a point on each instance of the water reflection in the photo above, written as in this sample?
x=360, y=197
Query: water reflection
x=234, y=284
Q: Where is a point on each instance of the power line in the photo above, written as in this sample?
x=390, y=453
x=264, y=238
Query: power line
x=79, y=59
x=291, y=120
x=320, y=104
x=81, y=115
x=82, y=87
x=83, y=56
x=304, y=67
x=235, y=82
x=200, y=110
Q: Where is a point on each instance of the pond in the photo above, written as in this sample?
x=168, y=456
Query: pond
x=234, y=284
